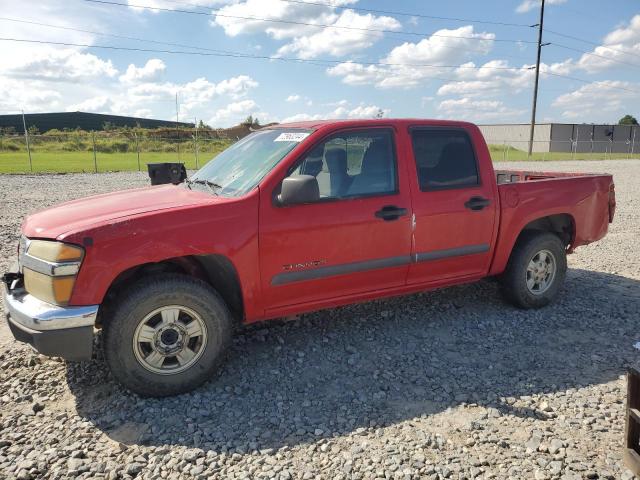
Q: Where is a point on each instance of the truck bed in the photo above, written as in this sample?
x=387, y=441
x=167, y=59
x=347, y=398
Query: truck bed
x=519, y=176
x=588, y=200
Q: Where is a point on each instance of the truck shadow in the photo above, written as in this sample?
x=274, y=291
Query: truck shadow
x=381, y=363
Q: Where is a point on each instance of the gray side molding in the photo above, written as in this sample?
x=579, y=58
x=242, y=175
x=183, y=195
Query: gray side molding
x=452, y=252
x=333, y=270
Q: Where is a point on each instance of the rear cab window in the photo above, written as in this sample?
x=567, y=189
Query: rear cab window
x=445, y=158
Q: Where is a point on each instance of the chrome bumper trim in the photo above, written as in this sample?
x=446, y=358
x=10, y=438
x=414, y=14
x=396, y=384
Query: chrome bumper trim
x=54, y=269
x=28, y=311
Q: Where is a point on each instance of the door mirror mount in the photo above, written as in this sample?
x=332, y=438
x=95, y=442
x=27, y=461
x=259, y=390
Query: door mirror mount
x=299, y=189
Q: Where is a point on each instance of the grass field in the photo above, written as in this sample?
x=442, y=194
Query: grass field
x=74, y=152
x=59, y=162
x=510, y=154
x=83, y=161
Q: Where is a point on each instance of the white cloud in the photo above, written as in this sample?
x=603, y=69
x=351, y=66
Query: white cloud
x=341, y=41
x=39, y=78
x=341, y=111
x=613, y=48
x=57, y=64
x=55, y=78
x=235, y=18
x=95, y=104
x=445, y=47
x=194, y=93
x=138, y=5
x=367, y=111
x=603, y=101
x=293, y=98
x=236, y=87
x=479, y=110
x=35, y=96
x=150, y=71
x=296, y=23
x=528, y=5
x=496, y=77
x=233, y=113
x=302, y=117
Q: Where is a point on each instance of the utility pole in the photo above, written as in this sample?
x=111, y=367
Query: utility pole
x=535, y=85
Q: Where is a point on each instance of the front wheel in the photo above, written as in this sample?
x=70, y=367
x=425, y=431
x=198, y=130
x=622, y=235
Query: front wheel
x=536, y=270
x=167, y=335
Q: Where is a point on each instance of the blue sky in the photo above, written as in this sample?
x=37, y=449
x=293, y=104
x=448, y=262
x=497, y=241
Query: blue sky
x=372, y=72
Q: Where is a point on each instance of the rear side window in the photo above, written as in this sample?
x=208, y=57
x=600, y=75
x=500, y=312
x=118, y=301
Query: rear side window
x=444, y=159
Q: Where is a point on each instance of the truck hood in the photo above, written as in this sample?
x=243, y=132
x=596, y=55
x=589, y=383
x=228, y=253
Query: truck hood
x=87, y=212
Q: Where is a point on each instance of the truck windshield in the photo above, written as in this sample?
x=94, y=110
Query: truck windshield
x=240, y=167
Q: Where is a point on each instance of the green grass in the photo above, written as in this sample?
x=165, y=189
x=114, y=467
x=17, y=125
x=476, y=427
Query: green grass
x=500, y=153
x=46, y=161
x=83, y=161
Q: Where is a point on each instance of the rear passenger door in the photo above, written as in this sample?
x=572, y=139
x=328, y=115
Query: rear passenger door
x=454, y=206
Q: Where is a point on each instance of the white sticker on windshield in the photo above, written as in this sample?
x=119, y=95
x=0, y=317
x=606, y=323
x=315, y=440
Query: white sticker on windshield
x=291, y=137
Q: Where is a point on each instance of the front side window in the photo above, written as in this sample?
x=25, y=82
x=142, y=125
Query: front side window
x=239, y=168
x=444, y=159
x=352, y=164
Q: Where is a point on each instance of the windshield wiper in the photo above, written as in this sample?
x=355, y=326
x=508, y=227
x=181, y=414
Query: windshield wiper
x=200, y=181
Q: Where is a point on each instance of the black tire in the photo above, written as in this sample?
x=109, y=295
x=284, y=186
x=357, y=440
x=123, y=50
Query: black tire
x=514, y=279
x=146, y=296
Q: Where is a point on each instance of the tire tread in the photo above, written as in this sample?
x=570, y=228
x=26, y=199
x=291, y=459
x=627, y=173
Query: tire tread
x=135, y=377
x=514, y=288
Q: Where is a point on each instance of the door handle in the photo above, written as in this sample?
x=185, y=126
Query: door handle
x=390, y=212
x=477, y=203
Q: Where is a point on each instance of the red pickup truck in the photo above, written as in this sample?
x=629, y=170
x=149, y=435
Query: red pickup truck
x=293, y=218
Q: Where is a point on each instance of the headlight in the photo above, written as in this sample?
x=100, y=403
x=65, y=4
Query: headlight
x=54, y=251
x=50, y=270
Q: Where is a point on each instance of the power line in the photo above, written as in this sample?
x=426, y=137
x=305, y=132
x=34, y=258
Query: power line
x=308, y=24
x=261, y=57
x=383, y=12
x=113, y=35
x=317, y=62
x=591, y=43
x=569, y=77
x=408, y=14
x=593, y=54
x=181, y=45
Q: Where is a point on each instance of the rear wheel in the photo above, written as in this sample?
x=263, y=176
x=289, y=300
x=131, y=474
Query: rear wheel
x=536, y=270
x=167, y=336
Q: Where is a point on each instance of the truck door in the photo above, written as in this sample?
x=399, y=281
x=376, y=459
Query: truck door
x=357, y=238
x=454, y=206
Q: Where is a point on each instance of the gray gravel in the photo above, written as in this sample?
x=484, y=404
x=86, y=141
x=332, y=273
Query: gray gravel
x=447, y=384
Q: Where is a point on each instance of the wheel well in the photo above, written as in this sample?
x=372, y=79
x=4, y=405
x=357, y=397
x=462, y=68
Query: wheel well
x=561, y=224
x=216, y=270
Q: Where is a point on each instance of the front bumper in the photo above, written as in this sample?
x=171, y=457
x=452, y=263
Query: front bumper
x=52, y=330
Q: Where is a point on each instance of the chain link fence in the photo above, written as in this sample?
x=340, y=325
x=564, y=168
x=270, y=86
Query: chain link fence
x=107, y=151
x=516, y=150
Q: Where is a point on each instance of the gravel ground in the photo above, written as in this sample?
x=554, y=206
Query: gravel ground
x=447, y=384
